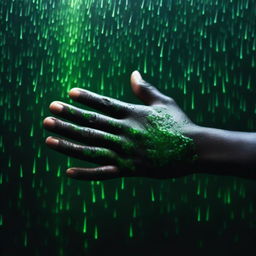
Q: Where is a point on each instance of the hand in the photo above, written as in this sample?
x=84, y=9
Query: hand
x=127, y=139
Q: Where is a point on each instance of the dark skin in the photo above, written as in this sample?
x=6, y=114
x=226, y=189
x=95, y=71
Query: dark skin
x=119, y=138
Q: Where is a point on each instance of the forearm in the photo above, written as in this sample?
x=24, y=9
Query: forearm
x=224, y=152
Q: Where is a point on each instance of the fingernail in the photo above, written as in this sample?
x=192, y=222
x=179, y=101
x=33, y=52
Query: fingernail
x=74, y=93
x=49, y=122
x=70, y=171
x=52, y=141
x=56, y=107
x=137, y=75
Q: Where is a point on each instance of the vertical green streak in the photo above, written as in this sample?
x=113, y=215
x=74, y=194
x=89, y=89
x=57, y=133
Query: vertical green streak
x=84, y=207
x=25, y=239
x=34, y=166
x=93, y=194
x=21, y=172
x=71, y=30
x=96, y=235
x=102, y=191
x=130, y=231
x=152, y=195
x=207, y=217
x=85, y=225
x=198, y=214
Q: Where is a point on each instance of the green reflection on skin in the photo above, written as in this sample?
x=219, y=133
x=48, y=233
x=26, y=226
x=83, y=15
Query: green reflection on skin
x=115, y=124
x=126, y=164
x=87, y=115
x=98, y=152
x=71, y=110
x=126, y=145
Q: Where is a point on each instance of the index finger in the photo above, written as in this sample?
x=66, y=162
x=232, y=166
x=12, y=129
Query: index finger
x=107, y=105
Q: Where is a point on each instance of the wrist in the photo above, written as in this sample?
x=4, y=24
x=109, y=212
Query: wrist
x=223, y=152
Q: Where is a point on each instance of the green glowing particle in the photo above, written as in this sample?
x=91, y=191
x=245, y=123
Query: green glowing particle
x=93, y=195
x=116, y=194
x=9, y=162
x=205, y=193
x=115, y=214
x=96, y=235
x=57, y=232
x=62, y=187
x=198, y=188
x=34, y=167
x=133, y=191
x=207, y=217
x=20, y=192
x=122, y=183
x=67, y=206
x=134, y=213
x=78, y=191
x=152, y=195
x=84, y=207
x=47, y=165
x=32, y=131
x=102, y=191
x=198, y=215
x=25, y=239
x=21, y=172
x=86, y=244
x=130, y=231
x=58, y=172
x=85, y=225
x=39, y=152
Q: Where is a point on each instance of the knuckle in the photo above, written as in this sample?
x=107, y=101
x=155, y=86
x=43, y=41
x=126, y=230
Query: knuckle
x=85, y=133
x=60, y=125
x=146, y=86
x=143, y=83
x=92, y=118
x=106, y=101
x=89, y=97
x=169, y=100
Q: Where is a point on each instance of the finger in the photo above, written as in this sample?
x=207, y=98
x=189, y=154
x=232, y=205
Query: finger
x=98, y=173
x=146, y=92
x=91, y=154
x=107, y=105
x=87, y=118
x=85, y=135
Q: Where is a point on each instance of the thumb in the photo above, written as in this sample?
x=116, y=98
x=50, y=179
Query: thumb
x=145, y=91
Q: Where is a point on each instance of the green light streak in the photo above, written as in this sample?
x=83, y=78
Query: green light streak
x=85, y=225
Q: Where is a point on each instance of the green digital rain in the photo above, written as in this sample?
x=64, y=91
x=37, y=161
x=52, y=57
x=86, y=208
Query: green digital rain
x=200, y=52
